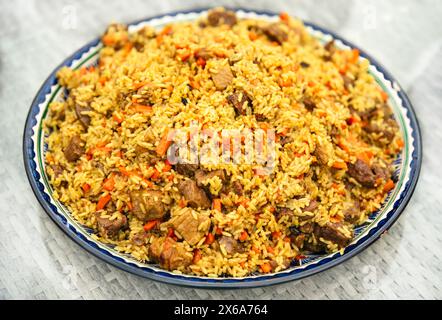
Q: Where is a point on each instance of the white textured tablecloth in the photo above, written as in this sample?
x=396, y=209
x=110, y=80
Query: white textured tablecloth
x=37, y=261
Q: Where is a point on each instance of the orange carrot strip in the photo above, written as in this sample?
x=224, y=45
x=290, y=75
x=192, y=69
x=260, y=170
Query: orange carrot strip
x=339, y=165
x=216, y=205
x=210, y=238
x=103, y=201
x=150, y=225
x=164, y=143
x=86, y=187
x=243, y=236
x=284, y=16
x=388, y=186
x=109, y=184
x=196, y=256
x=266, y=268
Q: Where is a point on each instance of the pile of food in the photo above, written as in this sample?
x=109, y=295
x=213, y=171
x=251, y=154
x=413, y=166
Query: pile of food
x=336, y=139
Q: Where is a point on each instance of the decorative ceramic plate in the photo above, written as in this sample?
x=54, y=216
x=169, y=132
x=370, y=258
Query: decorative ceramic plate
x=407, y=167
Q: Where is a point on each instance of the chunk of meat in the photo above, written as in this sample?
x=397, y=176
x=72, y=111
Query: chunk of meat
x=191, y=225
x=313, y=247
x=298, y=240
x=139, y=238
x=220, y=16
x=321, y=154
x=362, y=173
x=307, y=227
x=56, y=170
x=380, y=172
x=331, y=232
x=186, y=169
x=195, y=196
x=353, y=213
x=237, y=188
x=108, y=227
x=275, y=32
x=260, y=117
x=75, y=149
x=84, y=118
x=241, y=101
x=222, y=77
x=204, y=53
x=229, y=244
x=330, y=47
x=284, y=212
x=169, y=254
x=148, y=204
x=309, y=104
x=312, y=206
x=202, y=176
x=383, y=136
x=283, y=140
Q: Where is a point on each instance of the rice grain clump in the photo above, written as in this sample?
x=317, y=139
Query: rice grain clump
x=110, y=141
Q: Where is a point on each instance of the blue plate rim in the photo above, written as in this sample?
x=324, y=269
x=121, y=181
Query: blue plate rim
x=265, y=280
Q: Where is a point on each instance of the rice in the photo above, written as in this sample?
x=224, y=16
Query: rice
x=334, y=144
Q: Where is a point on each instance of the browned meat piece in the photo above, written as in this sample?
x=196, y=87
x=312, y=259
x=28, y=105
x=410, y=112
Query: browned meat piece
x=148, y=204
x=204, y=53
x=298, y=240
x=321, y=155
x=382, y=172
x=331, y=232
x=192, y=226
x=362, y=173
x=109, y=228
x=186, y=169
x=275, y=32
x=260, y=117
x=222, y=77
x=353, y=213
x=202, y=176
x=383, y=136
x=56, y=169
x=284, y=212
x=237, y=188
x=84, y=119
x=348, y=82
x=331, y=49
x=304, y=64
x=307, y=227
x=313, y=248
x=311, y=206
x=195, y=196
x=309, y=104
x=229, y=244
x=283, y=140
x=75, y=149
x=169, y=254
x=139, y=238
x=241, y=101
x=221, y=16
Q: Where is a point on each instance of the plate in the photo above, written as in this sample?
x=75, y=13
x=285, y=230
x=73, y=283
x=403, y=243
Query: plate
x=407, y=167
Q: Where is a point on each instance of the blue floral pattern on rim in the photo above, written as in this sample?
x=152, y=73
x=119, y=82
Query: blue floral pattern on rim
x=409, y=165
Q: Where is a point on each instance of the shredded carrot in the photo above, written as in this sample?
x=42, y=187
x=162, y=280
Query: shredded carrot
x=266, y=268
x=150, y=225
x=156, y=174
x=339, y=165
x=365, y=156
x=270, y=249
x=109, y=184
x=352, y=120
x=182, y=203
x=276, y=234
x=108, y=40
x=287, y=239
x=384, y=95
x=170, y=232
x=284, y=16
x=400, y=143
x=117, y=118
x=167, y=166
x=210, y=238
x=124, y=171
x=103, y=201
x=216, y=205
x=86, y=187
x=142, y=108
x=256, y=249
x=196, y=256
x=102, y=80
x=355, y=56
x=388, y=186
x=129, y=206
x=167, y=30
x=183, y=57
x=201, y=62
x=243, y=236
x=194, y=84
x=139, y=85
x=343, y=146
x=164, y=143
x=242, y=264
x=218, y=231
x=253, y=36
